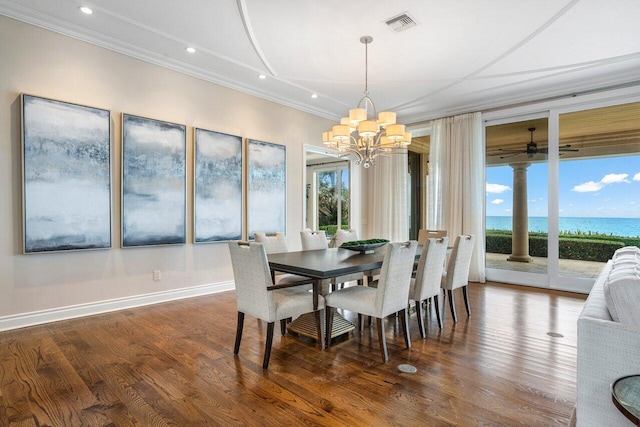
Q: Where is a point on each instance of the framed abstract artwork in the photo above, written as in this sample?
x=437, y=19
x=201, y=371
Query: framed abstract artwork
x=66, y=173
x=217, y=186
x=153, y=182
x=267, y=187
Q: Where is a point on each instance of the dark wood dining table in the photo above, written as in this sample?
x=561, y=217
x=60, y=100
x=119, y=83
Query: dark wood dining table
x=325, y=264
x=321, y=265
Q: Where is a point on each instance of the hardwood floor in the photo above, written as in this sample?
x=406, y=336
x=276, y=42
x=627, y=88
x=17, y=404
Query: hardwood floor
x=172, y=364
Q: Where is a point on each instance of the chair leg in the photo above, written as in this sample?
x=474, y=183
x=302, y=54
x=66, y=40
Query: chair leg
x=423, y=334
x=437, y=307
x=466, y=300
x=283, y=327
x=383, y=341
x=404, y=322
x=236, y=348
x=360, y=322
x=452, y=305
x=329, y=324
x=267, y=345
x=321, y=336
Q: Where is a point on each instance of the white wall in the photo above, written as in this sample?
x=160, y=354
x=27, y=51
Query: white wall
x=33, y=288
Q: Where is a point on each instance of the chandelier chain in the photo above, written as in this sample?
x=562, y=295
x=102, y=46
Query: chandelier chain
x=366, y=68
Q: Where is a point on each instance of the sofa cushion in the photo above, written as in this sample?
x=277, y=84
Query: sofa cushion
x=622, y=294
x=626, y=251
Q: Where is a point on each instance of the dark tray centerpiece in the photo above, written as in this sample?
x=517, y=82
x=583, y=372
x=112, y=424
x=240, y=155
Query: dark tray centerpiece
x=364, y=246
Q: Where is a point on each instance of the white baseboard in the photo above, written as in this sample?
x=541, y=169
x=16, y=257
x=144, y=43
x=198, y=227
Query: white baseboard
x=80, y=310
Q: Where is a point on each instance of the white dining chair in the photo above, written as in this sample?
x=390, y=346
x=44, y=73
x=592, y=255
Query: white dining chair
x=457, y=274
x=389, y=297
x=424, y=234
x=339, y=238
x=252, y=279
x=314, y=240
x=427, y=283
x=276, y=243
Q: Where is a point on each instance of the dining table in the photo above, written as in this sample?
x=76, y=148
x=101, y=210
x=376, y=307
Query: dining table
x=320, y=265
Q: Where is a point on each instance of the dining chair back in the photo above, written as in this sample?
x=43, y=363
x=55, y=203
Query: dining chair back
x=314, y=240
x=276, y=243
x=252, y=279
x=339, y=238
x=426, y=284
x=342, y=236
x=389, y=297
x=424, y=234
x=273, y=243
x=457, y=274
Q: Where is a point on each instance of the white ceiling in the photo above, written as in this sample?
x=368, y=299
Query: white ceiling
x=464, y=55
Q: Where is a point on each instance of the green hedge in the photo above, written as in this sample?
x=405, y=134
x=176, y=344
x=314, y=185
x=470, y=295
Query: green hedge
x=579, y=246
x=331, y=229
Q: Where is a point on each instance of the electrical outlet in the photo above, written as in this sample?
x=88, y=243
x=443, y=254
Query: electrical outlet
x=156, y=275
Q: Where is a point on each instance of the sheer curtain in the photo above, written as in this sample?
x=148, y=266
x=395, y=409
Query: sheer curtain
x=457, y=182
x=390, y=216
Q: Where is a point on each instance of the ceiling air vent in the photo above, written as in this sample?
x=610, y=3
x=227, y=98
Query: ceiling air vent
x=401, y=22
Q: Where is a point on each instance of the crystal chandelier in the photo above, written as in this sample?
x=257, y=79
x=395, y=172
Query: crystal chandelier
x=361, y=134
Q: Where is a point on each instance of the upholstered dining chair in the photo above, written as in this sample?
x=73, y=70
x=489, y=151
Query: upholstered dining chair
x=457, y=274
x=274, y=244
x=389, y=297
x=426, y=284
x=314, y=240
x=252, y=278
x=339, y=238
x=424, y=234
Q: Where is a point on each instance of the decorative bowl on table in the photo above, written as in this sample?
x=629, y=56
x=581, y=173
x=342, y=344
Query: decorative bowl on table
x=364, y=246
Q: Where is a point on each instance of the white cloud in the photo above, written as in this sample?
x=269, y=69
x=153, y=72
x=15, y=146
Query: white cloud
x=497, y=188
x=614, y=178
x=508, y=210
x=588, y=187
x=570, y=205
x=497, y=201
x=632, y=203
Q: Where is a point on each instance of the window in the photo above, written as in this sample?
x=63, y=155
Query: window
x=329, y=196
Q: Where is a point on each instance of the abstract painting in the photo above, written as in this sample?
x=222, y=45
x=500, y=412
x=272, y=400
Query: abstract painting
x=153, y=182
x=217, y=186
x=66, y=152
x=267, y=198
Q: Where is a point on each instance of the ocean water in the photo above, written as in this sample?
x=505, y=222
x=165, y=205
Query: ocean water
x=629, y=227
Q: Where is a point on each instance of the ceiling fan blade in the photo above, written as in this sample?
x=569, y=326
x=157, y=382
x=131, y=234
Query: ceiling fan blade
x=567, y=147
x=512, y=154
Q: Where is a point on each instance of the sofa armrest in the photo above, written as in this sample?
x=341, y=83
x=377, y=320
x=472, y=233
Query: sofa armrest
x=607, y=350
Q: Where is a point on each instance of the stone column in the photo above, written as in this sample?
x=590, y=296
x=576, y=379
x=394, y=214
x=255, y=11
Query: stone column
x=520, y=226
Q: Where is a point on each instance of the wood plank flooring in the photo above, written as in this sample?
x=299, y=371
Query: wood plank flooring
x=172, y=364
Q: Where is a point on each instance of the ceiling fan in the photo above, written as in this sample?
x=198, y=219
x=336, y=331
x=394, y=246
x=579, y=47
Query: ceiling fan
x=532, y=149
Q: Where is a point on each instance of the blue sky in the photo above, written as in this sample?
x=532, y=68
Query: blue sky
x=602, y=187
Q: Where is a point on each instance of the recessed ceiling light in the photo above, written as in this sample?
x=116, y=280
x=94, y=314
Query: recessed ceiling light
x=262, y=76
x=86, y=10
x=314, y=95
x=191, y=50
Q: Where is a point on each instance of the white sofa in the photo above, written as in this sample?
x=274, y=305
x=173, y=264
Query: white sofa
x=608, y=347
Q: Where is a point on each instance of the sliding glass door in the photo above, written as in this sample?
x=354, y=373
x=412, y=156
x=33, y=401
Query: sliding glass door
x=562, y=194
x=599, y=187
x=516, y=200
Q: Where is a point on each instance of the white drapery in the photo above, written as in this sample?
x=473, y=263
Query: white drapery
x=390, y=216
x=457, y=182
